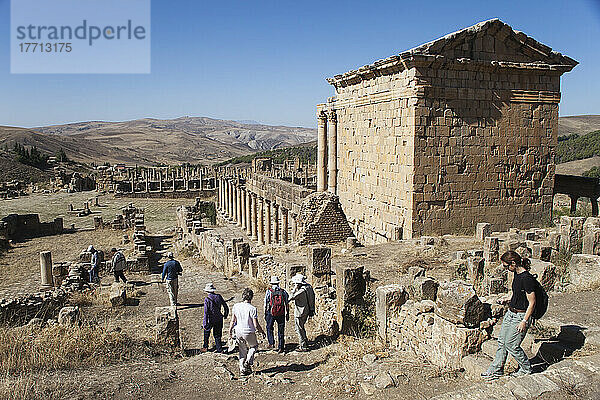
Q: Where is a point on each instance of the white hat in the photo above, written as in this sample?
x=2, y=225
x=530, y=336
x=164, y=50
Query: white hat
x=210, y=288
x=298, y=278
x=170, y=254
x=274, y=280
x=90, y=248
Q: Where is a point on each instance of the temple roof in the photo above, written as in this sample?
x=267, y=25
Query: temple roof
x=491, y=43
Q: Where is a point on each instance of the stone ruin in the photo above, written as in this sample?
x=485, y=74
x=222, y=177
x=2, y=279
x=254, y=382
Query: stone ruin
x=433, y=139
x=156, y=182
x=27, y=226
x=13, y=189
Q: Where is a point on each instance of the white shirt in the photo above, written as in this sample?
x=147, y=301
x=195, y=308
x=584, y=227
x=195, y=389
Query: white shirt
x=244, y=315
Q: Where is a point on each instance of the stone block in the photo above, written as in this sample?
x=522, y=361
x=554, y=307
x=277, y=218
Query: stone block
x=571, y=233
x=584, y=272
x=496, y=285
x=243, y=255
x=482, y=231
x=591, y=242
x=545, y=273
x=475, y=269
x=388, y=300
x=414, y=272
x=118, y=294
x=591, y=224
x=457, y=302
x=68, y=316
x=167, y=326
x=424, y=288
x=427, y=240
x=319, y=260
x=541, y=251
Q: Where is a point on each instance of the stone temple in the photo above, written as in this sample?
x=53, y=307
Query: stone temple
x=456, y=131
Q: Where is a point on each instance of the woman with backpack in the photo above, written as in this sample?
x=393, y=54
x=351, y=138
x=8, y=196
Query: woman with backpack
x=277, y=309
x=517, y=319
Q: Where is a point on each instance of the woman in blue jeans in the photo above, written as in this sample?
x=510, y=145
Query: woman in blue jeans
x=516, y=320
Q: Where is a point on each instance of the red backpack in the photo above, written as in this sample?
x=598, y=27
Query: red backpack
x=277, y=303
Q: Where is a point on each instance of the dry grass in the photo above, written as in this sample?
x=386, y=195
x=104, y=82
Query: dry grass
x=88, y=298
x=29, y=388
x=348, y=350
x=28, y=349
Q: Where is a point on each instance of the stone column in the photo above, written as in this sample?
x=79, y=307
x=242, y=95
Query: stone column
x=248, y=214
x=254, y=216
x=160, y=180
x=234, y=190
x=267, y=222
x=294, y=227
x=174, y=178
x=46, y=268
x=284, y=226
x=275, y=223
x=332, y=152
x=261, y=221
x=244, y=208
x=322, y=153
x=147, y=182
x=229, y=199
x=240, y=212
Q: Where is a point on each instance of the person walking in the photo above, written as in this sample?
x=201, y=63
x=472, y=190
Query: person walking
x=213, y=318
x=95, y=264
x=171, y=271
x=119, y=262
x=303, y=297
x=244, y=325
x=277, y=309
x=516, y=320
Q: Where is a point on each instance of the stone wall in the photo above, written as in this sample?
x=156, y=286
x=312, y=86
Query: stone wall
x=459, y=129
x=26, y=226
x=284, y=193
x=322, y=220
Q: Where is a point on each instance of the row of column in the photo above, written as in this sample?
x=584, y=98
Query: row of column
x=263, y=220
x=327, y=152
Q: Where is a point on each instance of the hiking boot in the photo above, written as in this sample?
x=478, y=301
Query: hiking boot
x=302, y=349
x=203, y=350
x=489, y=376
x=519, y=373
x=280, y=351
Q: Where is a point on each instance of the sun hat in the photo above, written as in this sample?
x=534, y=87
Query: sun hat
x=210, y=288
x=298, y=278
x=170, y=254
x=90, y=248
x=274, y=280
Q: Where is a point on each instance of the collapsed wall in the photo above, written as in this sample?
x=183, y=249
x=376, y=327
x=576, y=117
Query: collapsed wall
x=322, y=220
x=27, y=226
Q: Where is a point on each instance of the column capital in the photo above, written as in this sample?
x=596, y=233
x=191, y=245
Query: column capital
x=322, y=117
x=332, y=116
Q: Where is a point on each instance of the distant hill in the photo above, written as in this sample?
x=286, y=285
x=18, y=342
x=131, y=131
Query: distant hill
x=10, y=169
x=306, y=152
x=578, y=124
x=150, y=141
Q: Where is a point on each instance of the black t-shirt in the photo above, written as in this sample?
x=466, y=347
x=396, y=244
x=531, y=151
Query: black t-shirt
x=522, y=283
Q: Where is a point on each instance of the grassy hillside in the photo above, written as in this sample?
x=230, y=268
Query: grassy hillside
x=306, y=153
x=578, y=147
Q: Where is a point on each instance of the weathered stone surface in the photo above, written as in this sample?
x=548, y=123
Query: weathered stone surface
x=424, y=288
x=482, y=231
x=319, y=265
x=541, y=251
x=491, y=249
x=389, y=299
x=545, y=272
x=167, y=325
x=591, y=242
x=457, y=302
x=475, y=269
x=571, y=233
x=118, y=294
x=68, y=316
x=384, y=380
x=584, y=272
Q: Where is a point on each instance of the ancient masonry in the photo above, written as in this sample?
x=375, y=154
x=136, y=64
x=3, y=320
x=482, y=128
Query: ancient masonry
x=156, y=182
x=273, y=210
x=455, y=131
x=27, y=226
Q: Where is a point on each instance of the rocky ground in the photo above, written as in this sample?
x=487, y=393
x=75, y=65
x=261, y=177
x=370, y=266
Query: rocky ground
x=344, y=368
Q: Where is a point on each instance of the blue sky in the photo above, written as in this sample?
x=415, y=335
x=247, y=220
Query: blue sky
x=268, y=60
